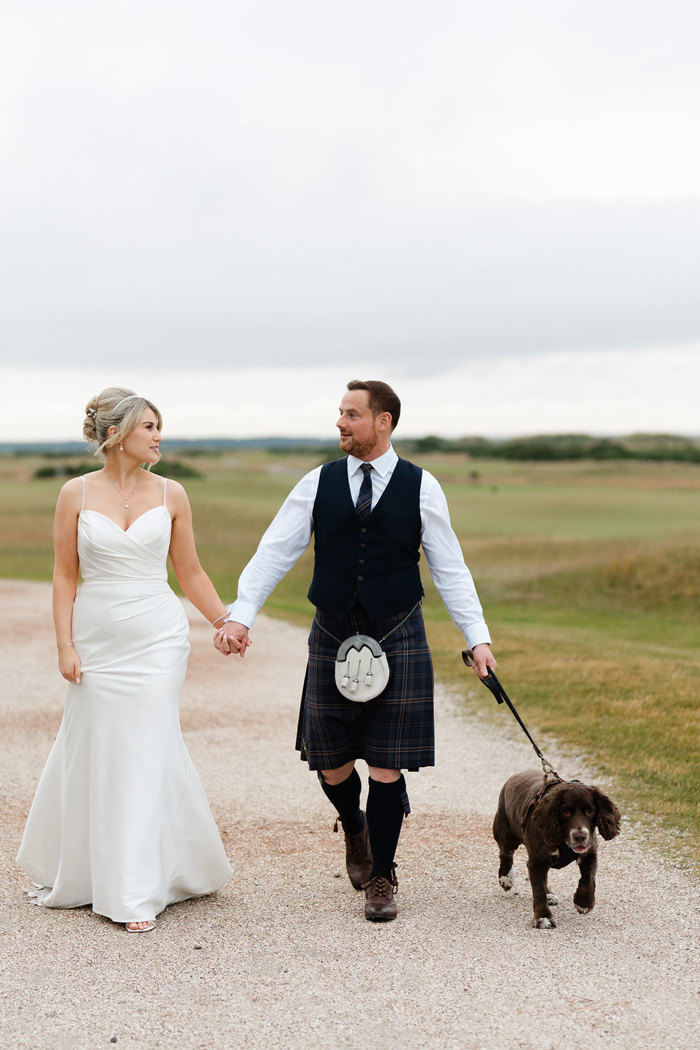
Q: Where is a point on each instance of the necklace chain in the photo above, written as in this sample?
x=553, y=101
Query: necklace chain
x=125, y=498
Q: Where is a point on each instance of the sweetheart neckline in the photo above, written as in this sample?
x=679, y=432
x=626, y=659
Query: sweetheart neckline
x=89, y=510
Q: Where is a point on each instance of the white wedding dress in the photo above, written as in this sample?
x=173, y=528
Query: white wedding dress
x=119, y=819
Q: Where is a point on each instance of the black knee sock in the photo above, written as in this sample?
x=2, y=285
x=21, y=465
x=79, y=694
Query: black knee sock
x=346, y=799
x=385, y=812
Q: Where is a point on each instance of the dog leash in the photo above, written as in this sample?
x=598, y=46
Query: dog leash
x=492, y=683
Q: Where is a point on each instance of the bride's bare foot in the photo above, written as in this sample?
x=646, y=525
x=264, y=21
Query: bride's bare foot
x=140, y=927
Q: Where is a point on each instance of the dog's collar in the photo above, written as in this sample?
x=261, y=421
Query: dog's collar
x=547, y=783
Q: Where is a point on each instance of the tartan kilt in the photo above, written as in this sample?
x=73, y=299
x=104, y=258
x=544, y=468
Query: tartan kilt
x=393, y=731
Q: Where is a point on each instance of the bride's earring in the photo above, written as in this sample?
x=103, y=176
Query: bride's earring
x=121, y=447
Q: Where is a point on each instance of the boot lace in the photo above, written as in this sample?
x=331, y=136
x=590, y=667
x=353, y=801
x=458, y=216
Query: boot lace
x=381, y=886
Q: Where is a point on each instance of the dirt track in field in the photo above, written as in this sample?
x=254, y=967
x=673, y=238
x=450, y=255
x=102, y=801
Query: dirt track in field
x=282, y=956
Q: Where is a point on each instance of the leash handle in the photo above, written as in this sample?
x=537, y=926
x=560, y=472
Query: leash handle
x=494, y=686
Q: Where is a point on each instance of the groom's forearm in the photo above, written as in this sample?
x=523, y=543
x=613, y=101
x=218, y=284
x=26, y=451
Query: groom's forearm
x=243, y=612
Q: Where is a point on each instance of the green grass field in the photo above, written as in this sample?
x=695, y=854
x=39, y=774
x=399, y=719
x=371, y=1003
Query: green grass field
x=589, y=573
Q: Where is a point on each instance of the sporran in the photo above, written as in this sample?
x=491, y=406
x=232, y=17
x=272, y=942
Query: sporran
x=361, y=665
x=361, y=668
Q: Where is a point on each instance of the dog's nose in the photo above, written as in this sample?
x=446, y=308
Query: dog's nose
x=579, y=835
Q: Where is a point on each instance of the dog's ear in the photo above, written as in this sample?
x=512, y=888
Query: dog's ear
x=546, y=819
x=609, y=816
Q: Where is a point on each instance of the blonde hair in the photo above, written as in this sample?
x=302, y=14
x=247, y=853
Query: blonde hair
x=114, y=407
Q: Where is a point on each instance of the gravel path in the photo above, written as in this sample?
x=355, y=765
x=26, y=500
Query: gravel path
x=282, y=957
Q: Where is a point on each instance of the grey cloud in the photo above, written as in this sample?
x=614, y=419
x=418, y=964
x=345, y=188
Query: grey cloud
x=275, y=183
x=424, y=291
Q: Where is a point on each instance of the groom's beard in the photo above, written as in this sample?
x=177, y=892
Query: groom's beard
x=356, y=446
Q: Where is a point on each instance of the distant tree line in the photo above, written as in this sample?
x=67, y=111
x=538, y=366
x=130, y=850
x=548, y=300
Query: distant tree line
x=567, y=446
x=172, y=468
x=534, y=447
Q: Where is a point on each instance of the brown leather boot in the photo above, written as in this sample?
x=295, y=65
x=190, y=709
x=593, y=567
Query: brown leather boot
x=358, y=855
x=380, y=905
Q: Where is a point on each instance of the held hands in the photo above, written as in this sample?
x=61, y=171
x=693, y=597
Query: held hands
x=232, y=637
x=483, y=660
x=69, y=664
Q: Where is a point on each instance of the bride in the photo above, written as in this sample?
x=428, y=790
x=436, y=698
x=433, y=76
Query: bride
x=119, y=819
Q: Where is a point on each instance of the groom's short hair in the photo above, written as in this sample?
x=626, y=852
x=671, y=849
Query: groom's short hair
x=381, y=398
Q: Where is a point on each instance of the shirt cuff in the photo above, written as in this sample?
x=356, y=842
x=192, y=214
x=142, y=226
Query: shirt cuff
x=242, y=612
x=477, y=634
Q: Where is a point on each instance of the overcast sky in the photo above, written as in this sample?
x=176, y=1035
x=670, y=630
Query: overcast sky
x=494, y=207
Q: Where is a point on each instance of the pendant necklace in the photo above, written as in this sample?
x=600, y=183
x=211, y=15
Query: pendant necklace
x=125, y=498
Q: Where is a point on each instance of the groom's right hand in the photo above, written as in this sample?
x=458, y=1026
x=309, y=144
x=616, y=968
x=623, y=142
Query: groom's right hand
x=232, y=637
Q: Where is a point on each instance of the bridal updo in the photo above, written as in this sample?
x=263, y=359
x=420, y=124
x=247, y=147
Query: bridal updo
x=114, y=407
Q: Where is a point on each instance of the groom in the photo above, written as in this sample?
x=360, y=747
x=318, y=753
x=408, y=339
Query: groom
x=370, y=513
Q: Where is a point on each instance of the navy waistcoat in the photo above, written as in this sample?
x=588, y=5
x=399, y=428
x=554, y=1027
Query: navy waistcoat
x=373, y=564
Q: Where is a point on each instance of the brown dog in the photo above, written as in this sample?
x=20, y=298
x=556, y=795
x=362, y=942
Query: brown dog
x=557, y=825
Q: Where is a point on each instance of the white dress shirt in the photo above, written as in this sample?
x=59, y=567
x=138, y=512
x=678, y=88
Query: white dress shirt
x=290, y=534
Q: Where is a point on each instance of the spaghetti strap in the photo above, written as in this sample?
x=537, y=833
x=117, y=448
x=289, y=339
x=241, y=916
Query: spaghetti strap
x=165, y=485
x=82, y=505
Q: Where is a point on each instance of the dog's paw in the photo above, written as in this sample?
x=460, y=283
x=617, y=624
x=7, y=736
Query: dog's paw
x=507, y=881
x=552, y=900
x=582, y=910
x=543, y=924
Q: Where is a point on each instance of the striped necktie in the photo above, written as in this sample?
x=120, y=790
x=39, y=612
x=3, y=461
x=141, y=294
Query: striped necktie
x=364, y=500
